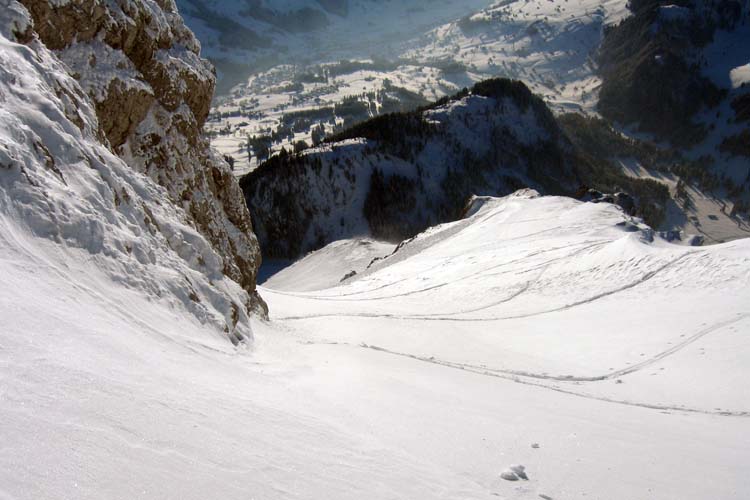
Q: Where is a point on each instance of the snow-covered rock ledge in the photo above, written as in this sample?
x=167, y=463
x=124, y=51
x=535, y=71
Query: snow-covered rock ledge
x=146, y=206
x=152, y=92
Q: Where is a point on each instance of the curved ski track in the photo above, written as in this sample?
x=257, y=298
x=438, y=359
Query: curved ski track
x=445, y=317
x=537, y=380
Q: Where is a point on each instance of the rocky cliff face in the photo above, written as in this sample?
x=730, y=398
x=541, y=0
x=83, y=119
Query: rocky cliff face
x=152, y=92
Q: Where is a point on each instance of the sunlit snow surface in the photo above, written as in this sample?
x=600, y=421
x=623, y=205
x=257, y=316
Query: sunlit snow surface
x=541, y=332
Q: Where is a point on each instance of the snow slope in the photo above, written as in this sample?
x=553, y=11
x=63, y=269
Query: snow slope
x=425, y=378
x=330, y=265
x=574, y=300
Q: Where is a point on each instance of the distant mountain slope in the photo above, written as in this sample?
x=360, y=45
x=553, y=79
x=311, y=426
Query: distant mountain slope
x=397, y=174
x=244, y=36
x=678, y=70
x=548, y=44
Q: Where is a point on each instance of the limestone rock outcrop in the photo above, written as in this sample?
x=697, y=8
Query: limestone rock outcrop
x=152, y=93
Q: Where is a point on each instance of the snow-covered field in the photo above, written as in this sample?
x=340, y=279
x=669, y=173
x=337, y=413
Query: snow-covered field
x=541, y=332
x=367, y=24
x=550, y=45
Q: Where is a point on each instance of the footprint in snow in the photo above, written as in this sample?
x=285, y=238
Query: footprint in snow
x=514, y=473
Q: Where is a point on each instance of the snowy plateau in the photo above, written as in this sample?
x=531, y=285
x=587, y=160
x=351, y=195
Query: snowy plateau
x=537, y=347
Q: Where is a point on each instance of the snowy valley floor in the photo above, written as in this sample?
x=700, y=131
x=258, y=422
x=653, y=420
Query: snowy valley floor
x=539, y=331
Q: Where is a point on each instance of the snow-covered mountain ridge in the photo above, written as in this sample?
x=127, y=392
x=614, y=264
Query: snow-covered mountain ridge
x=531, y=268
x=394, y=176
x=110, y=167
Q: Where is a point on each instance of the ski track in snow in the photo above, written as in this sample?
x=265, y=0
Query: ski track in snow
x=541, y=240
x=533, y=379
x=483, y=272
x=515, y=377
x=445, y=317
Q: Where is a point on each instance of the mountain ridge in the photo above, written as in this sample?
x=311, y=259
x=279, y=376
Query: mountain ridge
x=395, y=175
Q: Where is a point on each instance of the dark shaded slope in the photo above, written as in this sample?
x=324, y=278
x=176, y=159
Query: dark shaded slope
x=651, y=66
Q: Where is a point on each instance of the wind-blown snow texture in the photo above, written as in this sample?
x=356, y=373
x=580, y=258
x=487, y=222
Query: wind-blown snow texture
x=540, y=335
x=70, y=206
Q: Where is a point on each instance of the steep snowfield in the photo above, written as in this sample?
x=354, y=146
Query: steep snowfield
x=426, y=377
x=560, y=293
